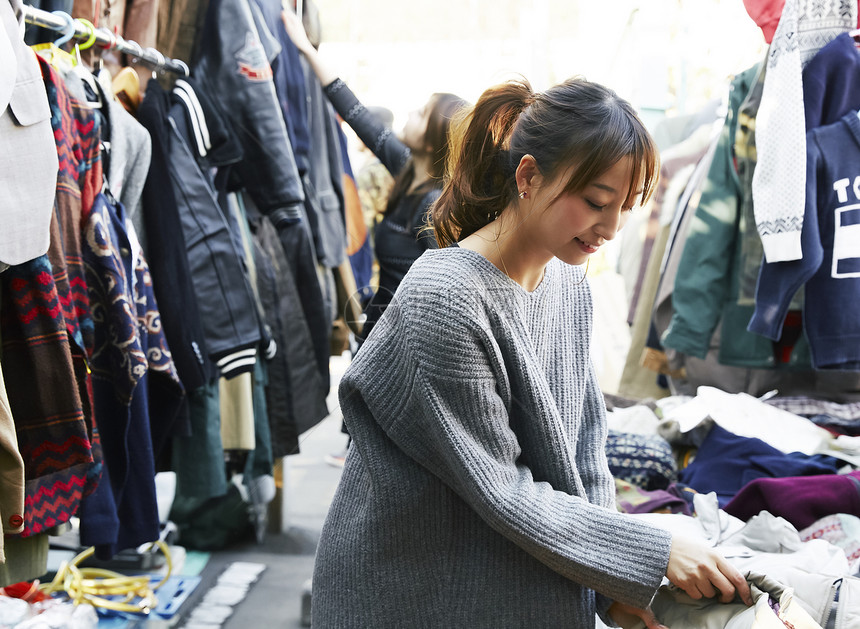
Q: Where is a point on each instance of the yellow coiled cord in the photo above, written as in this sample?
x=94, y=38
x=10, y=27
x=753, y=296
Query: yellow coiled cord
x=94, y=585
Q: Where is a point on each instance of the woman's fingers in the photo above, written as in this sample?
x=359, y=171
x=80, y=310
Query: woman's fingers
x=650, y=619
x=738, y=583
x=629, y=616
x=706, y=588
x=703, y=572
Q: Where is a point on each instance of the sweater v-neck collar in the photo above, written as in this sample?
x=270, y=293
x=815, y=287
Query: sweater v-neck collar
x=504, y=278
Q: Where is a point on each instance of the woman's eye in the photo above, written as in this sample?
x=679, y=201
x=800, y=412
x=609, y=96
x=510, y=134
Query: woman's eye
x=595, y=206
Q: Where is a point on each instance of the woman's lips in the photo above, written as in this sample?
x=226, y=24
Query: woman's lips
x=587, y=247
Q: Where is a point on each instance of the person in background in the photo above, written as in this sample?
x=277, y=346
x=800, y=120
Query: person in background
x=372, y=178
x=416, y=159
x=477, y=492
x=374, y=183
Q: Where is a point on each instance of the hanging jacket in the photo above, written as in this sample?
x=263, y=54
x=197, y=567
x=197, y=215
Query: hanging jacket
x=134, y=380
x=118, y=364
x=312, y=131
x=325, y=177
x=707, y=283
x=42, y=324
x=296, y=393
x=232, y=67
x=829, y=271
x=78, y=135
x=172, y=281
x=221, y=283
x=289, y=78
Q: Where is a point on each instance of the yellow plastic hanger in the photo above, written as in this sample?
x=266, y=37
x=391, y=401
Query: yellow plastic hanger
x=52, y=53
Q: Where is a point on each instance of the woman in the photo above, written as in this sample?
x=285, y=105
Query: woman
x=416, y=159
x=477, y=492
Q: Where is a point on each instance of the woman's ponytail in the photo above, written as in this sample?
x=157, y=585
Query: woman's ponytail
x=479, y=182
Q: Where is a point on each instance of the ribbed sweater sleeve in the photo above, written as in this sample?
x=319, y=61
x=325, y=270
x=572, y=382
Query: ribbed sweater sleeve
x=448, y=398
x=376, y=136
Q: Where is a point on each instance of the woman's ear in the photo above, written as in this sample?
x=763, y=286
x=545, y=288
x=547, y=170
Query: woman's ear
x=527, y=174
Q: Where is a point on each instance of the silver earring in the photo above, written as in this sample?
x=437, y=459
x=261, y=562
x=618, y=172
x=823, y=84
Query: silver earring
x=523, y=194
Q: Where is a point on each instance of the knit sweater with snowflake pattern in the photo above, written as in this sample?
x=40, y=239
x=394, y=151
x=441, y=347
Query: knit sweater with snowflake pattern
x=476, y=492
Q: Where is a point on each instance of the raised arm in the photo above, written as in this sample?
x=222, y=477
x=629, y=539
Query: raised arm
x=296, y=31
x=376, y=136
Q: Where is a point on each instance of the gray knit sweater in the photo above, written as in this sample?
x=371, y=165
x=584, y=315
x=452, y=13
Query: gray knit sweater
x=476, y=492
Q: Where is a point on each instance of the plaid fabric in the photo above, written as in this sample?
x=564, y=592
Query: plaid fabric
x=808, y=407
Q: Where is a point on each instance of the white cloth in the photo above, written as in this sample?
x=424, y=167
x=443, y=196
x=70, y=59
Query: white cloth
x=747, y=416
x=765, y=545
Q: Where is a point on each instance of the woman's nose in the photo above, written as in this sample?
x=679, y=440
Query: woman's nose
x=609, y=225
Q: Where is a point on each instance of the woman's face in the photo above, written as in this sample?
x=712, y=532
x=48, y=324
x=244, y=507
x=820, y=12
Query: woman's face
x=575, y=225
x=415, y=129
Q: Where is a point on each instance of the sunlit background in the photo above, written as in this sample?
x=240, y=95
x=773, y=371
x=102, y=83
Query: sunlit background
x=669, y=58
x=665, y=56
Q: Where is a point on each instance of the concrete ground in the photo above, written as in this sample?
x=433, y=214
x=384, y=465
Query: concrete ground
x=296, y=518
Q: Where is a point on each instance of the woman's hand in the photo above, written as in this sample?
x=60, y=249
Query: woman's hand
x=627, y=616
x=295, y=29
x=703, y=573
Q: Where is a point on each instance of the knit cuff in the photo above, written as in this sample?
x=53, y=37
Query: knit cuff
x=682, y=338
x=782, y=247
x=235, y=363
x=290, y=215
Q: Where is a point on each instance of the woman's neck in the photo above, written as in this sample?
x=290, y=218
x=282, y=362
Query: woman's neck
x=500, y=242
x=421, y=162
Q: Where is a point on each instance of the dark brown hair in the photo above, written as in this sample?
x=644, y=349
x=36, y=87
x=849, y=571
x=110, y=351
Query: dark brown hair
x=576, y=123
x=443, y=106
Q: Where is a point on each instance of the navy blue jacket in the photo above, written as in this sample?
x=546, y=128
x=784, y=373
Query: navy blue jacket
x=290, y=86
x=831, y=82
x=829, y=271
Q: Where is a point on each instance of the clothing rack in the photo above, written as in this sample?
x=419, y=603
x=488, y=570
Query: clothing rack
x=104, y=38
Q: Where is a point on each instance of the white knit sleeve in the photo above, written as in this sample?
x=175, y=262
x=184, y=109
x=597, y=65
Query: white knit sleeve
x=779, y=181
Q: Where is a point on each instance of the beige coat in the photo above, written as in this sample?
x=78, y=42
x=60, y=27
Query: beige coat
x=11, y=472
